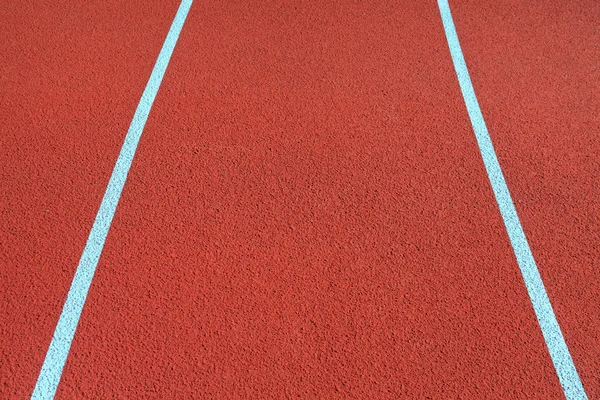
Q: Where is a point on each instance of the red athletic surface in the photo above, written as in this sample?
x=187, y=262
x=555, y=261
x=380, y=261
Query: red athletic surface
x=307, y=214
x=536, y=72
x=71, y=75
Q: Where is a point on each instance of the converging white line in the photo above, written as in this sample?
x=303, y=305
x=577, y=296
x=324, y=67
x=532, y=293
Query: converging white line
x=58, y=351
x=563, y=363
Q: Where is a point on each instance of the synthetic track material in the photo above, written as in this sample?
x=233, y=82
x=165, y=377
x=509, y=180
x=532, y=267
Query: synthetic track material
x=535, y=71
x=563, y=363
x=307, y=214
x=58, y=351
x=71, y=76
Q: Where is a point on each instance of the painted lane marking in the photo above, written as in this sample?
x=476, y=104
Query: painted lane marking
x=563, y=363
x=58, y=351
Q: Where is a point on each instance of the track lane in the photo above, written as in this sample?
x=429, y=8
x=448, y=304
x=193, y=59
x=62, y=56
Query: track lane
x=308, y=215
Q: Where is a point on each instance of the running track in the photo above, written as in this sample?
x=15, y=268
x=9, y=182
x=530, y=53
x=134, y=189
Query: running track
x=307, y=214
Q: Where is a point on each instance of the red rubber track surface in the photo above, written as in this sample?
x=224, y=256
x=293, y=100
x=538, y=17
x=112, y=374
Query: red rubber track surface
x=535, y=69
x=70, y=78
x=307, y=214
